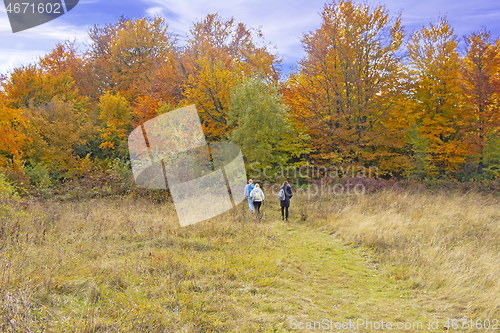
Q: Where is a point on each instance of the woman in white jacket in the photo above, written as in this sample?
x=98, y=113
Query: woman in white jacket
x=257, y=197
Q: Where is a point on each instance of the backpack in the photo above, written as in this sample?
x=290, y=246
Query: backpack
x=257, y=196
x=281, y=194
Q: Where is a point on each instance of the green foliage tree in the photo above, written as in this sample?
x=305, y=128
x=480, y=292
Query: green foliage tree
x=263, y=129
x=421, y=167
x=491, y=157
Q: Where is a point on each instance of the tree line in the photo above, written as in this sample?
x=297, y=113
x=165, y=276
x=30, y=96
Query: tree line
x=366, y=93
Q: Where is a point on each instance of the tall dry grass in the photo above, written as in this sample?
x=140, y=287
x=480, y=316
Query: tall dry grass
x=124, y=264
x=448, y=242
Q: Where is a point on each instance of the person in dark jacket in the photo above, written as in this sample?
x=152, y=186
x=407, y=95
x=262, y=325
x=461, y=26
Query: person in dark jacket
x=285, y=204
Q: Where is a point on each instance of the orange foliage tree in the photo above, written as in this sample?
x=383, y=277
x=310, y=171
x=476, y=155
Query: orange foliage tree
x=30, y=85
x=55, y=119
x=435, y=103
x=164, y=85
x=65, y=58
x=123, y=52
x=346, y=90
x=481, y=90
x=11, y=135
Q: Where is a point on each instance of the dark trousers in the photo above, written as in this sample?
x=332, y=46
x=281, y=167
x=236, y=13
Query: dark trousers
x=257, y=204
x=284, y=210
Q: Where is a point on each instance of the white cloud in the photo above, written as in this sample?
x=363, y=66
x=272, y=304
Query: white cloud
x=56, y=32
x=28, y=46
x=154, y=10
x=282, y=22
x=11, y=58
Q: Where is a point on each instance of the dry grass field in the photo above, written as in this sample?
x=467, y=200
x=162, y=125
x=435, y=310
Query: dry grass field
x=447, y=242
x=122, y=264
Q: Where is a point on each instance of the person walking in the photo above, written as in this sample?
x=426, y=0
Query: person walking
x=257, y=197
x=284, y=196
x=248, y=189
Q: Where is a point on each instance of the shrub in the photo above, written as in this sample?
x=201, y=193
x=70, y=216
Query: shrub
x=7, y=189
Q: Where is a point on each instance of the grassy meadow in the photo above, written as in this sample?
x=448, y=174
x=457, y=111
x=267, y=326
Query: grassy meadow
x=122, y=264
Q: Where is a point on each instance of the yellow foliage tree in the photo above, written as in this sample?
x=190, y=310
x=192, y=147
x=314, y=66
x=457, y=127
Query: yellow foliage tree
x=56, y=129
x=115, y=115
x=210, y=89
x=435, y=103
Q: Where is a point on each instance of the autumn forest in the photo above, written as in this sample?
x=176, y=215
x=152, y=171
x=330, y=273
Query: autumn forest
x=420, y=105
x=83, y=248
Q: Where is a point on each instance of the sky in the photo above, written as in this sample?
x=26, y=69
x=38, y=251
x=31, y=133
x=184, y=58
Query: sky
x=283, y=22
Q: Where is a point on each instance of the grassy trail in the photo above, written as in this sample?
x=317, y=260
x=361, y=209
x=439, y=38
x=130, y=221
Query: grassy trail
x=339, y=283
x=333, y=283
